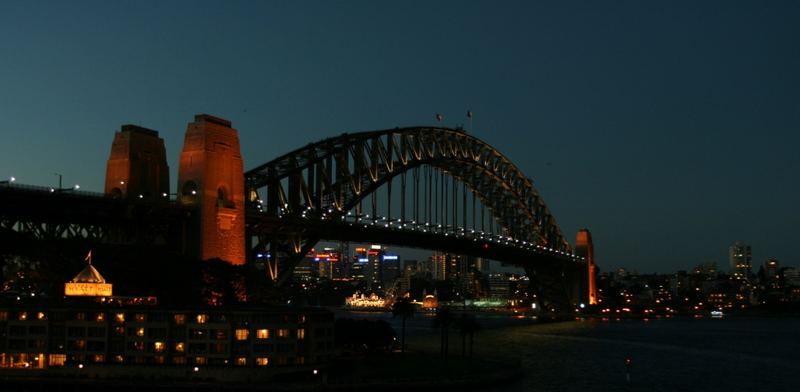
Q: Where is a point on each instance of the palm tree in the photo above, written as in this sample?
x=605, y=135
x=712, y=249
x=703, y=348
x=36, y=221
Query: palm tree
x=405, y=309
x=467, y=325
x=444, y=317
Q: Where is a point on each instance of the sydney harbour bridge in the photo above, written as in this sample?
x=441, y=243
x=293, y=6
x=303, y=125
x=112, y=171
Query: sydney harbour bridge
x=421, y=187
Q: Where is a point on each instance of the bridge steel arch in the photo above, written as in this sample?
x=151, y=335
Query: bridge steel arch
x=330, y=177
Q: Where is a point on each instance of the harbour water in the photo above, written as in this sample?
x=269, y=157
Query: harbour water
x=676, y=354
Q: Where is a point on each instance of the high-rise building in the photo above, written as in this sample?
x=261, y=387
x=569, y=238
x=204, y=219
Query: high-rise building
x=358, y=264
x=741, y=259
x=390, y=268
x=499, y=286
x=372, y=271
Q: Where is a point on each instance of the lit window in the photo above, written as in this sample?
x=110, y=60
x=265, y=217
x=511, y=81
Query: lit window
x=283, y=333
x=119, y=331
x=119, y=358
x=99, y=358
x=159, y=359
x=158, y=347
x=241, y=361
x=262, y=334
x=80, y=344
x=100, y=317
x=202, y=318
x=140, y=331
x=262, y=361
x=57, y=359
x=242, y=334
x=41, y=316
x=301, y=334
x=302, y=318
x=119, y=317
x=3, y=316
x=180, y=319
x=80, y=316
x=180, y=347
x=23, y=316
x=141, y=317
x=200, y=360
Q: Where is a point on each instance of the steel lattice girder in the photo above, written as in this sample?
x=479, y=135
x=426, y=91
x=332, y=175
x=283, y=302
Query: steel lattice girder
x=336, y=173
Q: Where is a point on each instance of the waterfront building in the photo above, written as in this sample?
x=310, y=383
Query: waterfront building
x=740, y=257
x=88, y=332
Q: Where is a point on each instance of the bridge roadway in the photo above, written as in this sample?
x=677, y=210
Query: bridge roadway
x=500, y=248
x=33, y=217
x=42, y=213
x=45, y=221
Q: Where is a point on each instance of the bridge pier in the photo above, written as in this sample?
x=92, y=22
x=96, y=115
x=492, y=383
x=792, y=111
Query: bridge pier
x=211, y=179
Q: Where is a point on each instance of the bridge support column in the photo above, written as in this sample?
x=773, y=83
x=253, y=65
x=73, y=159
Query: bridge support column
x=211, y=178
x=137, y=166
x=584, y=248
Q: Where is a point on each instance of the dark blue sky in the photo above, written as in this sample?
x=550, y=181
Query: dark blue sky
x=668, y=128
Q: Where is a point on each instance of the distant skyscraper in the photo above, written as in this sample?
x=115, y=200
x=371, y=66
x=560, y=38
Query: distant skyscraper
x=741, y=259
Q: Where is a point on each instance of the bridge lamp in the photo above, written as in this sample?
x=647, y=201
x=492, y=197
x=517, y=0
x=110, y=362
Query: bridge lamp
x=76, y=187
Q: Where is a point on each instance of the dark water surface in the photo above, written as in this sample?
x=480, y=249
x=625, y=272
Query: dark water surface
x=677, y=354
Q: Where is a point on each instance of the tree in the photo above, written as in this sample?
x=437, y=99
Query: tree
x=443, y=319
x=405, y=309
x=467, y=325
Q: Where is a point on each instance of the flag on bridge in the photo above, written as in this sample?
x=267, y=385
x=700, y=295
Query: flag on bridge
x=439, y=117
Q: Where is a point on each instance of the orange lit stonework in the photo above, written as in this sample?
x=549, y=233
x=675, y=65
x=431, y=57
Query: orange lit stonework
x=211, y=178
x=584, y=248
x=137, y=165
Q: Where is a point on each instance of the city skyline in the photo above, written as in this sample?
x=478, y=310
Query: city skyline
x=667, y=130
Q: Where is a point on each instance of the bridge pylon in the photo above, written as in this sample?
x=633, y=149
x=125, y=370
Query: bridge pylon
x=137, y=166
x=211, y=179
x=584, y=248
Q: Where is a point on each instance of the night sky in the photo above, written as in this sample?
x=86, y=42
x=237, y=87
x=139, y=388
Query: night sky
x=669, y=129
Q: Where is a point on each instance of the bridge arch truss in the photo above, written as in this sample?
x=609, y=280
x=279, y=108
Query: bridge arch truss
x=332, y=178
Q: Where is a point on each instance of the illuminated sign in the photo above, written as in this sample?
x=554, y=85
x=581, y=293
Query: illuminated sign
x=373, y=253
x=389, y=257
x=88, y=289
x=361, y=249
x=363, y=259
x=375, y=247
